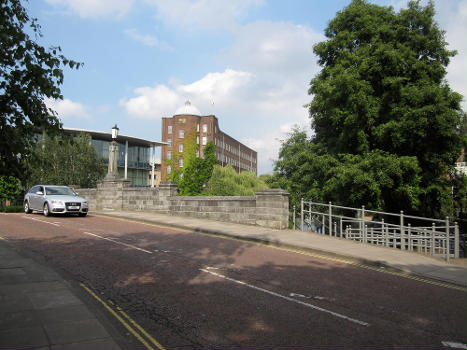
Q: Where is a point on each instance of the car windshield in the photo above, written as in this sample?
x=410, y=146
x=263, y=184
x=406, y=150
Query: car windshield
x=66, y=191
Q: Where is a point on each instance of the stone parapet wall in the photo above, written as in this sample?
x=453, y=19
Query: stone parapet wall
x=269, y=208
x=229, y=209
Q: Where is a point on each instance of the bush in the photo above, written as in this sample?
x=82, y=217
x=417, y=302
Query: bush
x=11, y=209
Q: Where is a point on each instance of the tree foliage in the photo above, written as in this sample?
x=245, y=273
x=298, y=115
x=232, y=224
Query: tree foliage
x=28, y=74
x=197, y=172
x=225, y=181
x=66, y=161
x=386, y=122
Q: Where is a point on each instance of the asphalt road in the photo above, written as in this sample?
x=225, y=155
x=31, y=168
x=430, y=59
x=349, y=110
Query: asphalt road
x=193, y=291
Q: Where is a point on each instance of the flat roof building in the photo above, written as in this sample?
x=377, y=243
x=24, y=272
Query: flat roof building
x=187, y=120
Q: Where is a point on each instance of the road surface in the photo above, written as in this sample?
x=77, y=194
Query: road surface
x=192, y=291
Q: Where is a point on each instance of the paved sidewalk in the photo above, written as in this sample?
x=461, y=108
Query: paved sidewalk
x=411, y=263
x=38, y=310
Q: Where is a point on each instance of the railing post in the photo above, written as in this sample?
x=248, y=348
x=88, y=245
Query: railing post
x=456, y=241
x=323, y=228
x=409, y=233
x=340, y=228
x=433, y=238
x=384, y=233
x=402, y=230
x=362, y=222
x=330, y=219
x=301, y=214
x=448, y=248
x=294, y=217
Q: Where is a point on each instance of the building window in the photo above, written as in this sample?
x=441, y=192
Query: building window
x=169, y=129
x=180, y=162
x=205, y=127
x=197, y=127
x=197, y=153
x=204, y=140
x=180, y=147
x=169, y=169
x=197, y=140
x=169, y=141
x=181, y=134
x=169, y=154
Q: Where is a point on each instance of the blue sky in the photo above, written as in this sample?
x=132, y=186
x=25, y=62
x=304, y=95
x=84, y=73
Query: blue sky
x=252, y=58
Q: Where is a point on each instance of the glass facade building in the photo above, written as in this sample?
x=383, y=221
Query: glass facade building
x=134, y=154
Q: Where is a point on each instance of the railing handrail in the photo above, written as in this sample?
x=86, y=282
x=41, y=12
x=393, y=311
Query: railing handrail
x=376, y=212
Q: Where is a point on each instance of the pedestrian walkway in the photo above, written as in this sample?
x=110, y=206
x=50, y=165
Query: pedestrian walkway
x=385, y=258
x=38, y=309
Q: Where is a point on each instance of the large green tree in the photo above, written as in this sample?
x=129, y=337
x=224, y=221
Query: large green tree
x=381, y=109
x=65, y=161
x=28, y=74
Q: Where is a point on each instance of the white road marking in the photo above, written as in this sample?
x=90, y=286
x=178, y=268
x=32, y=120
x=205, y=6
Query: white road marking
x=454, y=345
x=362, y=323
x=121, y=243
x=45, y=222
x=298, y=295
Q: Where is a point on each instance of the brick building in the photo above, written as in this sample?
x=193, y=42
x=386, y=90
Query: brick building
x=187, y=120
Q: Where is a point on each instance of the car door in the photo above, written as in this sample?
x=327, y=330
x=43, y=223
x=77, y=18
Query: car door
x=32, y=197
x=40, y=198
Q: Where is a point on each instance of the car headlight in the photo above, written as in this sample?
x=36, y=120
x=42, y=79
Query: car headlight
x=85, y=204
x=56, y=202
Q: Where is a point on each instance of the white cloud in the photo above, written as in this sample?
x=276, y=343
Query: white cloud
x=158, y=101
x=274, y=47
x=204, y=14
x=147, y=40
x=94, y=8
x=67, y=109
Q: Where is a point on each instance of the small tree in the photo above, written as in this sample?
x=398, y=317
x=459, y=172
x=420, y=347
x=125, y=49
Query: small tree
x=9, y=188
x=197, y=171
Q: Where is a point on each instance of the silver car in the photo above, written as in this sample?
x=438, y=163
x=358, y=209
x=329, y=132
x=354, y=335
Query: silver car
x=54, y=200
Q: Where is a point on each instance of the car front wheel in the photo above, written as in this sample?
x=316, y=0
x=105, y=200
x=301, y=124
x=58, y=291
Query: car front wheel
x=27, y=210
x=46, y=210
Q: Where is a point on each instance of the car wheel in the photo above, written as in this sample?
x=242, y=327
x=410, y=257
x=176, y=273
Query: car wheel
x=27, y=210
x=46, y=210
x=82, y=214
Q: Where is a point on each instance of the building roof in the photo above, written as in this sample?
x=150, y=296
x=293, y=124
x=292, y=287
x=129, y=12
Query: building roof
x=188, y=109
x=107, y=136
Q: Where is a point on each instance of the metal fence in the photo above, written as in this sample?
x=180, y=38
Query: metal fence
x=413, y=233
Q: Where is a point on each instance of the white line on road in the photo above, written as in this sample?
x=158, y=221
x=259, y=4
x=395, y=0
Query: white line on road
x=121, y=243
x=362, y=323
x=454, y=345
x=45, y=222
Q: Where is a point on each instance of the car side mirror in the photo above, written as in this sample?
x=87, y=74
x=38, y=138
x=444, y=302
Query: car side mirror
x=40, y=193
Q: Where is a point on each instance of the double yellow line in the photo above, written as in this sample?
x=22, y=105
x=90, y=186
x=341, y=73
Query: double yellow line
x=127, y=322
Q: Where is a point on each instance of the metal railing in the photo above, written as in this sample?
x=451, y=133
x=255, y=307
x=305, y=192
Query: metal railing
x=406, y=232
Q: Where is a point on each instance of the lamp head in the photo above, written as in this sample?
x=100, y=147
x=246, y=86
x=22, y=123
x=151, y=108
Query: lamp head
x=115, y=132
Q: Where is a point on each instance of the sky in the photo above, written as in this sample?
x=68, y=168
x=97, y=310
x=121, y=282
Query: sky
x=249, y=62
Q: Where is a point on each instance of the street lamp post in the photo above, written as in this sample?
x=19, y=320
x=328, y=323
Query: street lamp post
x=112, y=171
